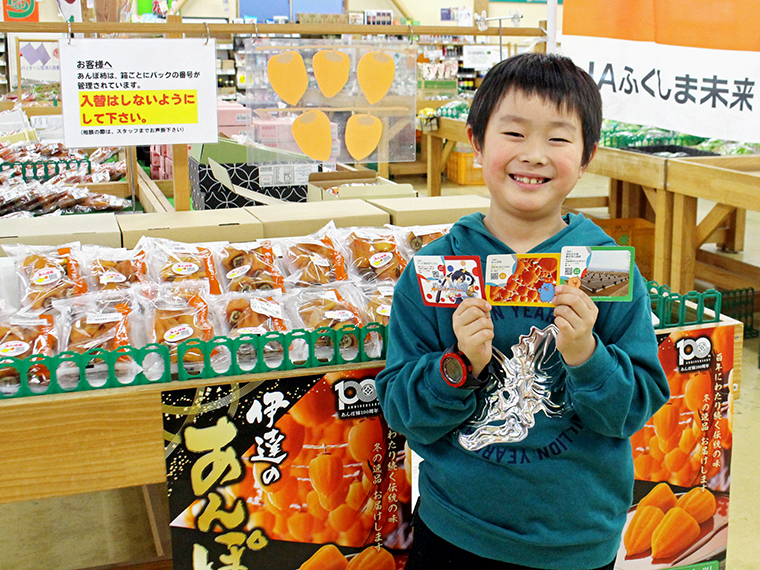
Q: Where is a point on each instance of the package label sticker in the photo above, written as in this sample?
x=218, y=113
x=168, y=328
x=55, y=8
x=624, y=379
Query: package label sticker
x=522, y=279
x=446, y=281
x=604, y=273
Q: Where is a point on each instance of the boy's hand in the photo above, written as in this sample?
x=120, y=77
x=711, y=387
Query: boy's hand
x=574, y=315
x=473, y=328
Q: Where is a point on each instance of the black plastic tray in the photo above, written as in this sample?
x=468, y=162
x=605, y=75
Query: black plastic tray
x=669, y=148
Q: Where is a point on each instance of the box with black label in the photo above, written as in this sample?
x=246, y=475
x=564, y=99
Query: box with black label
x=280, y=174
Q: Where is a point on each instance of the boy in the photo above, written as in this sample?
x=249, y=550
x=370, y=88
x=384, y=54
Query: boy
x=555, y=497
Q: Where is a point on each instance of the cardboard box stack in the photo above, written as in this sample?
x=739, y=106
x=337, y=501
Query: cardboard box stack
x=232, y=118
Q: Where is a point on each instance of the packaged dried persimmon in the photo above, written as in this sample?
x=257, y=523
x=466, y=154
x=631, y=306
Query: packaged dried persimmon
x=21, y=336
x=373, y=253
x=414, y=238
x=312, y=260
x=250, y=267
x=250, y=314
x=330, y=307
x=178, y=313
x=96, y=320
x=246, y=314
x=114, y=268
x=101, y=320
x=47, y=273
x=172, y=261
x=379, y=300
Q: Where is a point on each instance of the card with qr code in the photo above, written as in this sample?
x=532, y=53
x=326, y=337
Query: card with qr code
x=603, y=273
x=522, y=279
x=446, y=281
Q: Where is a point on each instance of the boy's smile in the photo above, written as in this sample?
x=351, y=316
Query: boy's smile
x=531, y=156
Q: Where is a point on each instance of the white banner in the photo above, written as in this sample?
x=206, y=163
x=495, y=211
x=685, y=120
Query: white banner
x=697, y=91
x=127, y=92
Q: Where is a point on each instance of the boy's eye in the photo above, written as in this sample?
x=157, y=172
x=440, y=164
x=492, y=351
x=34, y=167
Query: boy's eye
x=558, y=139
x=512, y=134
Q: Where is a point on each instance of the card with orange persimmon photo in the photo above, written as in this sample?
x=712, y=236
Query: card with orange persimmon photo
x=682, y=456
x=522, y=279
x=286, y=474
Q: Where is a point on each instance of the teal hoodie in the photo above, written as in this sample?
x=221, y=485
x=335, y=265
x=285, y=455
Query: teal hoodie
x=558, y=498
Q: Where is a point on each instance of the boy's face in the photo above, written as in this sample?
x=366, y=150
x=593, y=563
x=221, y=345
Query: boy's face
x=531, y=157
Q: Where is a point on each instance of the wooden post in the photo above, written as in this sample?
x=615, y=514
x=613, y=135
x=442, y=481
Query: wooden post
x=684, y=243
x=541, y=46
x=663, y=236
x=179, y=157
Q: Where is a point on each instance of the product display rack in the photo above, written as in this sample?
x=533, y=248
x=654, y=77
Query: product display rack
x=332, y=351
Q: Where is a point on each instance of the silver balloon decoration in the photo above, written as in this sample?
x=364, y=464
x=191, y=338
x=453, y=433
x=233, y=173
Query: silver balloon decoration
x=520, y=387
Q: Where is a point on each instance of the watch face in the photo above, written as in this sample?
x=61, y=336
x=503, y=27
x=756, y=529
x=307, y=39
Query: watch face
x=453, y=369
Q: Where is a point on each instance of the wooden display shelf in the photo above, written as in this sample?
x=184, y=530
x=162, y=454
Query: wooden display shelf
x=82, y=442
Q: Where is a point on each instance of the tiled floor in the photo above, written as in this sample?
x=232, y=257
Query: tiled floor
x=106, y=528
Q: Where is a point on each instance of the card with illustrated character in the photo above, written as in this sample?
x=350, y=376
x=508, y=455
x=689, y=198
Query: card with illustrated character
x=522, y=279
x=446, y=281
x=604, y=273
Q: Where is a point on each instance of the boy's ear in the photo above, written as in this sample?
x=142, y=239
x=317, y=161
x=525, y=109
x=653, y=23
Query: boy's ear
x=475, y=147
x=593, y=154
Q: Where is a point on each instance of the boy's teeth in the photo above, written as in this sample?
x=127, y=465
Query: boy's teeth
x=526, y=180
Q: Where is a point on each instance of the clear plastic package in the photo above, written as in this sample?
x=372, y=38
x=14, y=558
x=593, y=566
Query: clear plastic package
x=414, y=238
x=176, y=313
x=247, y=267
x=373, y=253
x=46, y=273
x=109, y=268
x=171, y=261
x=21, y=336
x=312, y=260
x=99, y=320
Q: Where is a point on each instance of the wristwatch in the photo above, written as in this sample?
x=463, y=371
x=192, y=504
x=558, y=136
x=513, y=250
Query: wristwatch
x=457, y=370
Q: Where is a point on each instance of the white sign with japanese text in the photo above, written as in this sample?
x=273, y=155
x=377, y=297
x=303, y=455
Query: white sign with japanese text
x=127, y=92
x=480, y=57
x=698, y=91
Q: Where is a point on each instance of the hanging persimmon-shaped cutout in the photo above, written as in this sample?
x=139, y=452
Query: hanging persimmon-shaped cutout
x=363, y=133
x=287, y=76
x=312, y=134
x=331, y=69
x=375, y=73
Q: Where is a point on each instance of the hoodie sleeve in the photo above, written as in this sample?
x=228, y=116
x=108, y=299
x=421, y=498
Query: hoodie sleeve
x=414, y=397
x=622, y=385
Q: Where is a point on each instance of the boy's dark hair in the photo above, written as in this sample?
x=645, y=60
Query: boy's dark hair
x=553, y=77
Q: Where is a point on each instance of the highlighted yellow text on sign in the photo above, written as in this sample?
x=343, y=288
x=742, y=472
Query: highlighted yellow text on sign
x=128, y=108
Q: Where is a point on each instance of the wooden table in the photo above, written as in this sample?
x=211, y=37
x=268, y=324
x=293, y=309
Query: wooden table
x=67, y=444
x=665, y=190
x=453, y=131
x=733, y=182
x=637, y=190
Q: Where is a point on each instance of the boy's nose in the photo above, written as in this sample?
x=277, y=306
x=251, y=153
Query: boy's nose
x=533, y=152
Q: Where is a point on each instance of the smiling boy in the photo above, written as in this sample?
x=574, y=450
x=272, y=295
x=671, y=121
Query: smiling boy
x=556, y=496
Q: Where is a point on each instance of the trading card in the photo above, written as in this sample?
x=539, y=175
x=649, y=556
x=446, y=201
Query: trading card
x=446, y=281
x=604, y=273
x=522, y=279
